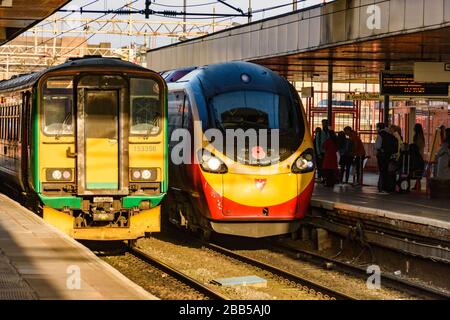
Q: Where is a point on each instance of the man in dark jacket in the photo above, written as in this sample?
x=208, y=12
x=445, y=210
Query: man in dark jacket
x=321, y=135
x=386, y=147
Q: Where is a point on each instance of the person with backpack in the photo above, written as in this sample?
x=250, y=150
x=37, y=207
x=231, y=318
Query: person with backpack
x=396, y=131
x=346, y=157
x=387, y=148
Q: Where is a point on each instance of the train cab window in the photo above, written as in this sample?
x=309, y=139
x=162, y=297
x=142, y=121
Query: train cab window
x=146, y=107
x=58, y=107
x=253, y=110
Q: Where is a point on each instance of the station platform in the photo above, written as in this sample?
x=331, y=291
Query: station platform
x=408, y=222
x=411, y=208
x=38, y=262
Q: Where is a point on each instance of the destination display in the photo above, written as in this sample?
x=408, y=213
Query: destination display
x=403, y=84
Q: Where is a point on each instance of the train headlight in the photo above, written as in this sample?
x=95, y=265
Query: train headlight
x=143, y=174
x=305, y=163
x=67, y=175
x=59, y=174
x=136, y=175
x=146, y=174
x=211, y=163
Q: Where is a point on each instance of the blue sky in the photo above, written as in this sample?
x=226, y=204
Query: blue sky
x=203, y=6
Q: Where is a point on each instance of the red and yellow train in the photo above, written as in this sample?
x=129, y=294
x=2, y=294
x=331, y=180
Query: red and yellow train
x=252, y=190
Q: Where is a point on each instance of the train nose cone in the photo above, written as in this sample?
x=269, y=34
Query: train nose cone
x=260, y=184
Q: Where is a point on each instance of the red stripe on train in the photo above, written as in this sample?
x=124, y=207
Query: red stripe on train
x=222, y=208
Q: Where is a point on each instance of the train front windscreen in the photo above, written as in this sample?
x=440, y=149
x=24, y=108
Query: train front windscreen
x=258, y=113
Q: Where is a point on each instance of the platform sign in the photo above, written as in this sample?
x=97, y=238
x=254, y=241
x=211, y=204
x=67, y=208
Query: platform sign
x=365, y=96
x=403, y=84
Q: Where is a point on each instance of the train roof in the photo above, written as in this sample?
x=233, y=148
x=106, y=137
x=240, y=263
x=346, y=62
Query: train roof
x=236, y=75
x=30, y=79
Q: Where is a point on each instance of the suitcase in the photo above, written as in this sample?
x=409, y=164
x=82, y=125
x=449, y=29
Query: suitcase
x=404, y=174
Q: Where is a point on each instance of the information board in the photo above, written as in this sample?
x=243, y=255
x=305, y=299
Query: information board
x=403, y=84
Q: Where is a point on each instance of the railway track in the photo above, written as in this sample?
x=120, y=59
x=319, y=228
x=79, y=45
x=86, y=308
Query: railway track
x=307, y=285
x=205, y=291
x=403, y=285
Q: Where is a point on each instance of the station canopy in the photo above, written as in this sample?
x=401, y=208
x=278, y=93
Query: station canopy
x=17, y=16
x=358, y=38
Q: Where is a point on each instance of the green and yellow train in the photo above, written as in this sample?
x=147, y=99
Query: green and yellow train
x=85, y=143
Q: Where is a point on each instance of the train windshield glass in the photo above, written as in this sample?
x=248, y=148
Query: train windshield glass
x=58, y=106
x=145, y=107
x=253, y=110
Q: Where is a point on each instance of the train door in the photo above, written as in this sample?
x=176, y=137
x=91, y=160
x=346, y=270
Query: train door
x=101, y=129
x=100, y=134
x=24, y=141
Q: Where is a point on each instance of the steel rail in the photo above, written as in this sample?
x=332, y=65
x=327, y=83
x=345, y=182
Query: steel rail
x=282, y=273
x=201, y=288
x=407, y=286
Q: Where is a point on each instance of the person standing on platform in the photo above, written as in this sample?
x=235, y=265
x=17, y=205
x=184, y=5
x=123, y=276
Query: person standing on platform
x=386, y=147
x=443, y=158
x=319, y=151
x=396, y=131
x=417, y=156
x=419, y=139
x=330, y=163
x=359, y=153
x=346, y=157
x=321, y=137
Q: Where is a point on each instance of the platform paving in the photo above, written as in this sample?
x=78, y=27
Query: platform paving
x=38, y=261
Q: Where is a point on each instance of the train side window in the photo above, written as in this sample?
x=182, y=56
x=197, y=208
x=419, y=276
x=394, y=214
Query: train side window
x=146, y=107
x=58, y=106
x=2, y=123
x=176, y=106
x=14, y=124
x=187, y=113
x=5, y=124
x=18, y=109
x=9, y=124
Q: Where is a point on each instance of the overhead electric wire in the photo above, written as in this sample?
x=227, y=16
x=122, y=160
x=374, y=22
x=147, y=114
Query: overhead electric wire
x=87, y=39
x=276, y=7
x=203, y=16
x=83, y=25
x=187, y=6
x=68, y=15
